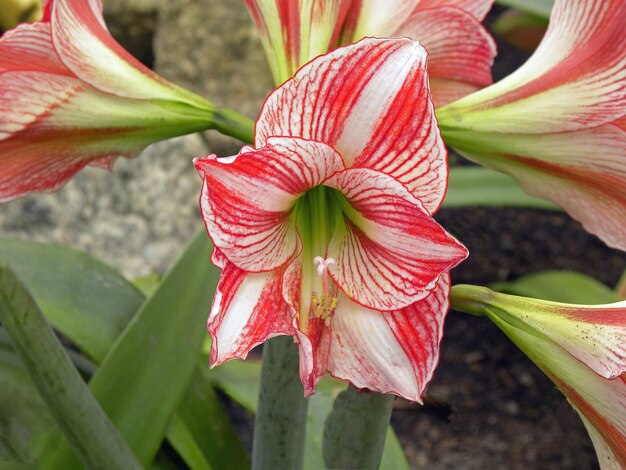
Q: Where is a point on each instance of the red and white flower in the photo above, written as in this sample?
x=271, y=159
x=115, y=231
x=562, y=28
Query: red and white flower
x=581, y=348
x=460, y=50
x=558, y=124
x=324, y=231
x=71, y=96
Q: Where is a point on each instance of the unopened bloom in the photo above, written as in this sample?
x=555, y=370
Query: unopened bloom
x=71, y=96
x=581, y=348
x=324, y=231
x=460, y=50
x=558, y=123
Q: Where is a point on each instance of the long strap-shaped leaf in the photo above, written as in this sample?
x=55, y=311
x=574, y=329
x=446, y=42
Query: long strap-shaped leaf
x=146, y=373
x=477, y=186
x=88, y=429
x=90, y=304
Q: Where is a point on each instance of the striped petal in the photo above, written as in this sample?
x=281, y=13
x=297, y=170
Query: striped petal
x=477, y=8
x=584, y=172
x=370, y=101
x=387, y=352
x=390, y=253
x=248, y=309
x=85, y=46
x=378, y=18
x=593, y=334
x=576, y=346
x=576, y=78
x=29, y=48
x=51, y=126
x=601, y=403
x=294, y=32
x=246, y=199
x=460, y=50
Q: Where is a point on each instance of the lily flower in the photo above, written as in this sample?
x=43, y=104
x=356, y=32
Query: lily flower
x=71, y=96
x=581, y=348
x=460, y=50
x=557, y=124
x=324, y=230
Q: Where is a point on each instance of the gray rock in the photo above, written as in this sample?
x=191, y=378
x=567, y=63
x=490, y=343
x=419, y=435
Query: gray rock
x=137, y=218
x=133, y=23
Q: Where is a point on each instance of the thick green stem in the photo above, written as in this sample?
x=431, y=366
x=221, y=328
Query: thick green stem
x=469, y=299
x=280, y=425
x=88, y=429
x=355, y=431
x=234, y=124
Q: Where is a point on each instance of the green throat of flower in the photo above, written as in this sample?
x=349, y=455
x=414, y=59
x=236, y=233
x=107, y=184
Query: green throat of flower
x=319, y=214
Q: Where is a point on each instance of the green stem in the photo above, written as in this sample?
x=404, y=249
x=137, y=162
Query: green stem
x=355, y=431
x=280, y=424
x=469, y=299
x=88, y=429
x=234, y=124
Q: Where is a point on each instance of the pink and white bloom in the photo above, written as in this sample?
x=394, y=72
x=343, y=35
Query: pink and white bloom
x=71, y=96
x=324, y=230
x=558, y=124
x=581, y=348
x=460, y=50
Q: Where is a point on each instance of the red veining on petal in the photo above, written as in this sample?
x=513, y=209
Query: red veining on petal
x=609, y=432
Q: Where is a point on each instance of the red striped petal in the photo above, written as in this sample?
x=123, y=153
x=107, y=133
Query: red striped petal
x=295, y=31
x=378, y=18
x=246, y=199
x=29, y=48
x=459, y=48
x=371, y=102
x=388, y=352
x=85, y=46
x=391, y=252
x=477, y=8
x=248, y=309
x=584, y=172
x=576, y=78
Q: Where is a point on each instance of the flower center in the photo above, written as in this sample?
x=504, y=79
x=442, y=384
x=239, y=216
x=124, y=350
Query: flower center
x=317, y=214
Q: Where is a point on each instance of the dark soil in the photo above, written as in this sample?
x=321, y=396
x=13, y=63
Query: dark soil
x=488, y=406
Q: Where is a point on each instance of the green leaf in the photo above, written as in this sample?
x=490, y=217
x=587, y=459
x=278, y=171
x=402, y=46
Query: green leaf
x=88, y=429
x=67, y=310
x=240, y=381
x=148, y=369
x=540, y=8
x=83, y=298
x=27, y=429
x=201, y=431
x=476, y=186
x=147, y=284
x=559, y=286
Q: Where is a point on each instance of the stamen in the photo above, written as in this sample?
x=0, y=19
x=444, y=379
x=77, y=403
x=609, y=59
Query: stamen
x=325, y=303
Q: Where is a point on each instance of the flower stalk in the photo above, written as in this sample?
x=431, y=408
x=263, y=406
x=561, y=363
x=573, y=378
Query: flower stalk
x=355, y=431
x=234, y=124
x=280, y=424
